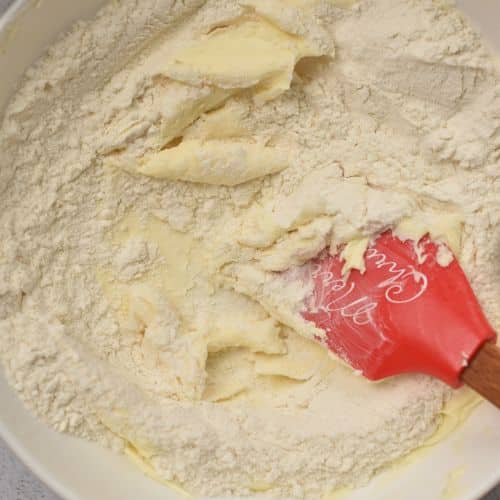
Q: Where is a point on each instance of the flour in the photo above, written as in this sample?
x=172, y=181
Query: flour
x=134, y=259
x=139, y=300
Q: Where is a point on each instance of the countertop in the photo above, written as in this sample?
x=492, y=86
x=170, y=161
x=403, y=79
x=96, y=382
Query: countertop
x=16, y=480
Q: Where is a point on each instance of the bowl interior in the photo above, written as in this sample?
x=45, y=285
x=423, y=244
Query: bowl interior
x=465, y=465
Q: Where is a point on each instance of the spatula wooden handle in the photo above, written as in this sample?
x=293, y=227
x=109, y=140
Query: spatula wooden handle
x=483, y=373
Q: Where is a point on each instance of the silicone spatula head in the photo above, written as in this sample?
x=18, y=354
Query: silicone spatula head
x=405, y=313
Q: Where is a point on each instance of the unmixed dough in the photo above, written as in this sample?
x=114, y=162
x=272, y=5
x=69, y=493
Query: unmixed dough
x=164, y=169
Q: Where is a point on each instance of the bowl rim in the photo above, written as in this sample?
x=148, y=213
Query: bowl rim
x=11, y=13
x=35, y=465
x=14, y=9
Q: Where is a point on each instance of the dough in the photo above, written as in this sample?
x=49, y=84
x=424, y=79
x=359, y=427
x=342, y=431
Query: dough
x=166, y=170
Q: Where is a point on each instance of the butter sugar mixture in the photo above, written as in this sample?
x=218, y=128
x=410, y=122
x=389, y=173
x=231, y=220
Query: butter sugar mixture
x=164, y=170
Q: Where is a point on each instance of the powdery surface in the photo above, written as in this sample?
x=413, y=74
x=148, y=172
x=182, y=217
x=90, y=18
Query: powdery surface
x=395, y=113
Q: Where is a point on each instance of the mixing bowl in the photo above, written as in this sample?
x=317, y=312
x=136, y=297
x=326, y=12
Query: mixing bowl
x=463, y=466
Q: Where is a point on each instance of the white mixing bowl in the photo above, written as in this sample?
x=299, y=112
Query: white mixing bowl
x=462, y=467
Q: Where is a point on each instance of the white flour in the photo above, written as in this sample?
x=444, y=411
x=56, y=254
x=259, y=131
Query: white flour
x=119, y=318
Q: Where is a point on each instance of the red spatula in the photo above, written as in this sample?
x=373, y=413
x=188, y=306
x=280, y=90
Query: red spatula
x=406, y=313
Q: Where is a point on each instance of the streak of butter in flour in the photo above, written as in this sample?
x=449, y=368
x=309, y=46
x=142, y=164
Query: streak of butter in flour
x=454, y=414
x=162, y=315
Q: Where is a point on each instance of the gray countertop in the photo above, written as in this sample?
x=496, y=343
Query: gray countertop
x=17, y=482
